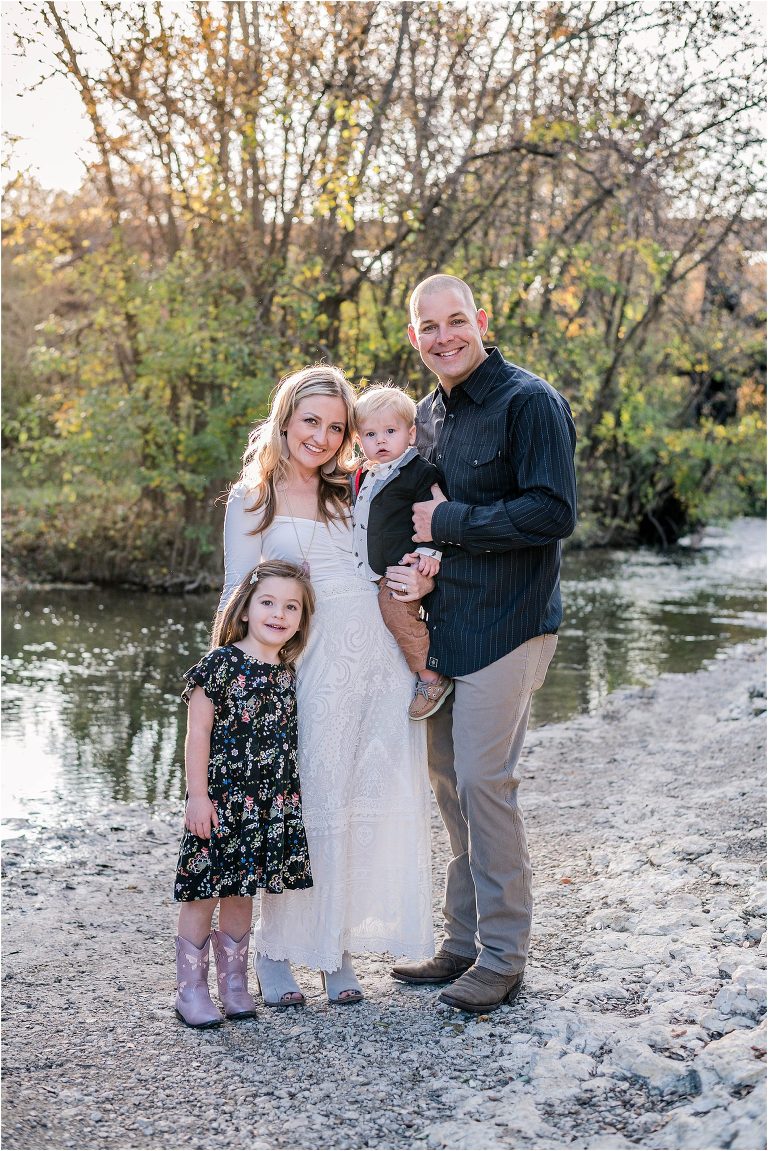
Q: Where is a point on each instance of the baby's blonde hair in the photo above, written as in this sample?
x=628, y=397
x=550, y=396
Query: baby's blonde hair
x=379, y=399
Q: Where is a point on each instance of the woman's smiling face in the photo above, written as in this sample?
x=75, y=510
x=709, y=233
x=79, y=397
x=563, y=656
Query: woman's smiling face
x=315, y=431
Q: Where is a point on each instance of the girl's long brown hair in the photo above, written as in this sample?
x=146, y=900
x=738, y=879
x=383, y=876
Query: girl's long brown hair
x=230, y=627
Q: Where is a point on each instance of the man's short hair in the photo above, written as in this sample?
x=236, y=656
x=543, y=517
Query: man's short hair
x=379, y=399
x=440, y=283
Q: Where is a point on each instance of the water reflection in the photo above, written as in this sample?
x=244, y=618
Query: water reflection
x=91, y=712
x=630, y=616
x=90, y=706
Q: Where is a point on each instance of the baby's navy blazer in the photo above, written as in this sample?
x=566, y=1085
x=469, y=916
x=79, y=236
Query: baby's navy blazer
x=390, y=516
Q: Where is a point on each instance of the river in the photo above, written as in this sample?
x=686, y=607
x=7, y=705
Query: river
x=91, y=711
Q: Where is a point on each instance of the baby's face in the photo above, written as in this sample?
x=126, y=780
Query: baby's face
x=384, y=436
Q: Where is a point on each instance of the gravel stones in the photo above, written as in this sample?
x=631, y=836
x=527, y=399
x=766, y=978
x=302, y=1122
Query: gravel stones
x=641, y=1022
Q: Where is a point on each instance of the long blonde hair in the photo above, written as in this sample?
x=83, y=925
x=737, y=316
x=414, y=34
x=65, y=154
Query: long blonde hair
x=263, y=463
x=229, y=625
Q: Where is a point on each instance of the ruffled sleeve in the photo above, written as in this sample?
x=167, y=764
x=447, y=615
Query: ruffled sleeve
x=212, y=673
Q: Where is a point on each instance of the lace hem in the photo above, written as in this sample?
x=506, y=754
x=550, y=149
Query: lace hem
x=331, y=960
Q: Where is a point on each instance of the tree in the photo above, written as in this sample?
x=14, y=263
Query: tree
x=275, y=177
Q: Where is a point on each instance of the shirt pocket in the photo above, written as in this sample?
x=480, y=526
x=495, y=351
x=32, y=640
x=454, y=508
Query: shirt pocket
x=483, y=473
x=480, y=457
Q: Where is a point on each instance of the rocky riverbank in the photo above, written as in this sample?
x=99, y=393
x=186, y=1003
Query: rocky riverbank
x=641, y=1023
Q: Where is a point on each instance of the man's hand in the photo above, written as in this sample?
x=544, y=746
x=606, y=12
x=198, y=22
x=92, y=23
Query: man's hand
x=422, y=516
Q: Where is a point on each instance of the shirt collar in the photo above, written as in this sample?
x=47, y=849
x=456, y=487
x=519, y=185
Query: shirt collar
x=478, y=384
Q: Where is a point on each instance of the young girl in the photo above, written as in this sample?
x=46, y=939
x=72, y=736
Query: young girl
x=244, y=828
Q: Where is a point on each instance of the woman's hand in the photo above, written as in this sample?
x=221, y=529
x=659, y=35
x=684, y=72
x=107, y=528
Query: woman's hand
x=406, y=581
x=200, y=815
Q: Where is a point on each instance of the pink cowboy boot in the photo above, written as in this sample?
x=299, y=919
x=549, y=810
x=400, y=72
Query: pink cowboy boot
x=193, y=1001
x=231, y=973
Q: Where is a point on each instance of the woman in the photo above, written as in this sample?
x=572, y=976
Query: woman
x=362, y=764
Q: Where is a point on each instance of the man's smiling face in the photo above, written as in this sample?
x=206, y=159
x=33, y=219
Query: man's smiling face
x=448, y=335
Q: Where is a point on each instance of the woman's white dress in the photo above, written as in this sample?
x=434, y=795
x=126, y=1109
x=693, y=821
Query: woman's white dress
x=362, y=762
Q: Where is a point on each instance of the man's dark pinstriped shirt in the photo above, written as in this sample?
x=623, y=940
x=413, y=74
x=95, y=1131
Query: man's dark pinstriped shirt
x=504, y=443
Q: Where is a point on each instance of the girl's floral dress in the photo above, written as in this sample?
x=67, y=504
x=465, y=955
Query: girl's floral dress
x=253, y=782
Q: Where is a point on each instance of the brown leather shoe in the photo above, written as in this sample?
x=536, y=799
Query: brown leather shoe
x=481, y=990
x=443, y=968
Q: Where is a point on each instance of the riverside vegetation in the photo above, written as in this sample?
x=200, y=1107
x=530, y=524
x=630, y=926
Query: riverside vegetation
x=267, y=181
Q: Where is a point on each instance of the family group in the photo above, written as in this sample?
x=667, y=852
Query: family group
x=381, y=627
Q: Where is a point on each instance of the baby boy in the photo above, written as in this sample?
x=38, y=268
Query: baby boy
x=383, y=494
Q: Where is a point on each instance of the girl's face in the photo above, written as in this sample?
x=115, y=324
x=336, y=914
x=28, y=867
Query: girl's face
x=273, y=614
x=315, y=431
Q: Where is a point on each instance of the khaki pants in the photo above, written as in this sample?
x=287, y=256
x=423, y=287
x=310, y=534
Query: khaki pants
x=475, y=741
x=405, y=622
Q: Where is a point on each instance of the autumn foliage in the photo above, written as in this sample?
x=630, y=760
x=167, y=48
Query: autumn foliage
x=270, y=181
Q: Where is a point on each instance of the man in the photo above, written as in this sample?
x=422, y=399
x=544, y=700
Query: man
x=504, y=442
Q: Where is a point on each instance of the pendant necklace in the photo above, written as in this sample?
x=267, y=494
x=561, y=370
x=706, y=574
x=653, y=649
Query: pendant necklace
x=304, y=565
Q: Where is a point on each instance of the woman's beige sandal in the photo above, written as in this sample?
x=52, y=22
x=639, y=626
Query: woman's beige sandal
x=277, y=986
x=341, y=986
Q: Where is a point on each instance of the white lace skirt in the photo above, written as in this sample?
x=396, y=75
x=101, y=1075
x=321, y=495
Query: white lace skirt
x=365, y=789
